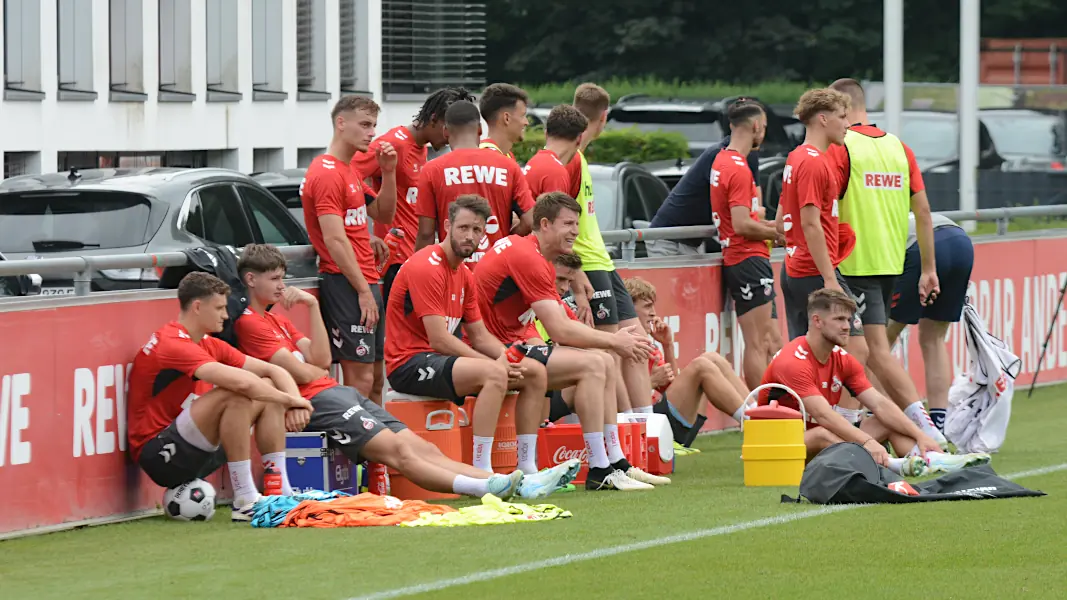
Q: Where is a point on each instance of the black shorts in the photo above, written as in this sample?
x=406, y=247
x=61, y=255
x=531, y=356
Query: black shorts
x=796, y=290
x=679, y=429
x=170, y=460
x=750, y=283
x=349, y=419
x=340, y=311
x=427, y=374
x=557, y=406
x=955, y=259
x=540, y=353
x=387, y=283
x=611, y=303
x=872, y=294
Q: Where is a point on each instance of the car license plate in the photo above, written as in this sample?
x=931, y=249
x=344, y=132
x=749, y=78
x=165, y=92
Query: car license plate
x=57, y=291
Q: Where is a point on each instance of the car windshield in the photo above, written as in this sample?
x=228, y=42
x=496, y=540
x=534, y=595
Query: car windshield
x=56, y=222
x=1032, y=134
x=932, y=139
x=696, y=127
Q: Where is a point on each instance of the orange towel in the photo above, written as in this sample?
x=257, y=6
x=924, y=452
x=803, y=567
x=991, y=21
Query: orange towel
x=364, y=510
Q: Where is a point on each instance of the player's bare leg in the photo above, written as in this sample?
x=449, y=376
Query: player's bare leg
x=391, y=449
x=584, y=371
x=818, y=439
x=728, y=372
x=636, y=377
x=488, y=380
x=378, y=383
x=269, y=421
x=360, y=376
x=755, y=327
x=530, y=409
x=911, y=462
x=433, y=454
x=223, y=417
x=700, y=379
x=898, y=385
x=937, y=365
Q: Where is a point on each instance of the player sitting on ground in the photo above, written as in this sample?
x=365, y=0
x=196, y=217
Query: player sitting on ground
x=176, y=440
x=515, y=285
x=707, y=376
x=818, y=369
x=435, y=292
x=363, y=429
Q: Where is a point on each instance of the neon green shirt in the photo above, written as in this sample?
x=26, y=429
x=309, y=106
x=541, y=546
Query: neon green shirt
x=590, y=245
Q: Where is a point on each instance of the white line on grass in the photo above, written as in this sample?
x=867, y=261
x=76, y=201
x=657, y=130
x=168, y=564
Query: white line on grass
x=567, y=559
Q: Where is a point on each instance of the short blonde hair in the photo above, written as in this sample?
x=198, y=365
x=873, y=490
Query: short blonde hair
x=591, y=100
x=640, y=289
x=820, y=100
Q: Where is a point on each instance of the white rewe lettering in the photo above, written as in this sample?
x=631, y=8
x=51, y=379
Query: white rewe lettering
x=451, y=176
x=94, y=408
x=453, y=323
x=563, y=454
x=527, y=317
x=356, y=217
x=14, y=419
x=466, y=174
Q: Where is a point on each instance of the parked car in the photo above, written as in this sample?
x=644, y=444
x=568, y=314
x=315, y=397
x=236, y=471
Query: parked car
x=134, y=211
x=702, y=122
x=285, y=185
x=624, y=193
x=1028, y=140
x=19, y=285
x=934, y=138
x=770, y=176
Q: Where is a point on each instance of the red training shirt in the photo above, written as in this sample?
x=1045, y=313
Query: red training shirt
x=732, y=185
x=411, y=157
x=261, y=335
x=161, y=380
x=545, y=173
x=808, y=179
x=796, y=366
x=842, y=165
x=484, y=172
x=331, y=187
x=425, y=286
x=512, y=276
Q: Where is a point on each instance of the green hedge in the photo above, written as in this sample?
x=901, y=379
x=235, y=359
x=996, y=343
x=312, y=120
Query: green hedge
x=616, y=145
x=771, y=92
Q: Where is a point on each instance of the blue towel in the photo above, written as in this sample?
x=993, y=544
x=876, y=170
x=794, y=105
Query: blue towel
x=272, y=510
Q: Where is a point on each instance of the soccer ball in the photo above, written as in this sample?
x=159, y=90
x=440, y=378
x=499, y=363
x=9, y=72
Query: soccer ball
x=193, y=501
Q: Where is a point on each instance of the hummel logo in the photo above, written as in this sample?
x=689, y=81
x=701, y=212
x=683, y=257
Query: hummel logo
x=341, y=438
x=426, y=373
x=167, y=452
x=337, y=342
x=746, y=291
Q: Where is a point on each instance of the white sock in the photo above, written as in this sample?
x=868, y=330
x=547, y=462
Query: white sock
x=918, y=415
x=643, y=410
x=594, y=447
x=528, y=453
x=469, y=486
x=611, y=440
x=483, y=453
x=739, y=414
x=915, y=451
x=896, y=465
x=244, y=486
x=276, y=461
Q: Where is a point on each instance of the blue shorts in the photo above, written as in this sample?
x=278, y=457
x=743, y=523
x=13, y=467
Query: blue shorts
x=955, y=258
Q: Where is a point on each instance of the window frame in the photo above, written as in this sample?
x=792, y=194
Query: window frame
x=78, y=27
x=193, y=196
x=300, y=234
x=25, y=45
x=222, y=56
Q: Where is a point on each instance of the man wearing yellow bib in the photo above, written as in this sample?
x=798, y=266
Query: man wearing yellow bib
x=880, y=183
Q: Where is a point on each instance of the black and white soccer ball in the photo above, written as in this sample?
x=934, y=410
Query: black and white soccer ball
x=193, y=501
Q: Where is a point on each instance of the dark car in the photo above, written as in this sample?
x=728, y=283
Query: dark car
x=625, y=193
x=770, y=176
x=285, y=185
x=703, y=123
x=135, y=211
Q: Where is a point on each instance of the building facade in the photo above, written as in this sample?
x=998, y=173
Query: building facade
x=241, y=84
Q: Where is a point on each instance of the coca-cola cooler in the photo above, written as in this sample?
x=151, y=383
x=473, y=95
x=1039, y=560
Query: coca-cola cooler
x=560, y=443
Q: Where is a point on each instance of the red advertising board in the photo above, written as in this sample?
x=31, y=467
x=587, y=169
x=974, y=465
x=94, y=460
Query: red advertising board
x=62, y=409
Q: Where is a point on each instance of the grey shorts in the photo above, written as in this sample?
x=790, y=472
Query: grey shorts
x=750, y=284
x=349, y=419
x=169, y=459
x=340, y=311
x=795, y=291
x=427, y=374
x=611, y=303
x=873, y=295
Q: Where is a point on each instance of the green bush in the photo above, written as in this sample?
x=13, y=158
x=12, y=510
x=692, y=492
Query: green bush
x=616, y=145
x=770, y=92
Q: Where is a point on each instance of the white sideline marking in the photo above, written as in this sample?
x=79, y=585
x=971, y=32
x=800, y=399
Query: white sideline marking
x=567, y=559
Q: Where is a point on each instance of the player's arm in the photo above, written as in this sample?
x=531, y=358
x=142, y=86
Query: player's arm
x=281, y=378
x=583, y=291
x=426, y=209
x=316, y=348
x=889, y=413
x=747, y=227
x=443, y=341
x=383, y=209
x=300, y=371
x=920, y=205
x=522, y=200
x=483, y=341
x=811, y=225
x=825, y=415
x=247, y=383
x=629, y=342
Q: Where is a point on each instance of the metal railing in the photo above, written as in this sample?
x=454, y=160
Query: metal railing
x=83, y=267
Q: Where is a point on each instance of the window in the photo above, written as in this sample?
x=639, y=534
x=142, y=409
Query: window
x=215, y=215
x=22, y=50
x=40, y=223
x=267, y=51
x=355, y=76
x=311, y=50
x=75, y=45
x=127, y=51
x=428, y=44
x=304, y=156
x=275, y=224
x=175, y=52
x=222, y=63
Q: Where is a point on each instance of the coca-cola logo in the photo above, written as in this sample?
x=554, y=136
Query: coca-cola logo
x=510, y=445
x=563, y=454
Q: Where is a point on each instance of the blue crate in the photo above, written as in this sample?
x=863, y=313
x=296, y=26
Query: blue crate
x=313, y=465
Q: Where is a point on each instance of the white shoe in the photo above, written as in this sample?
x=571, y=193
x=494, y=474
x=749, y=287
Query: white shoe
x=243, y=513
x=639, y=475
x=937, y=462
x=617, y=480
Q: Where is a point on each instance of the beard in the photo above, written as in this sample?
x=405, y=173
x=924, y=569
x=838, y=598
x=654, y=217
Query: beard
x=460, y=251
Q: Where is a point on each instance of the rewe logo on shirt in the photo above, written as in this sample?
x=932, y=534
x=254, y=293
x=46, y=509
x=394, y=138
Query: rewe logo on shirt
x=356, y=216
x=883, y=181
x=468, y=174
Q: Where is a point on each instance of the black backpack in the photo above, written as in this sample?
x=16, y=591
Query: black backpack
x=220, y=261
x=845, y=473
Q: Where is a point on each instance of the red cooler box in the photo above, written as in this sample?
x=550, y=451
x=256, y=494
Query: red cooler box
x=634, y=444
x=556, y=445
